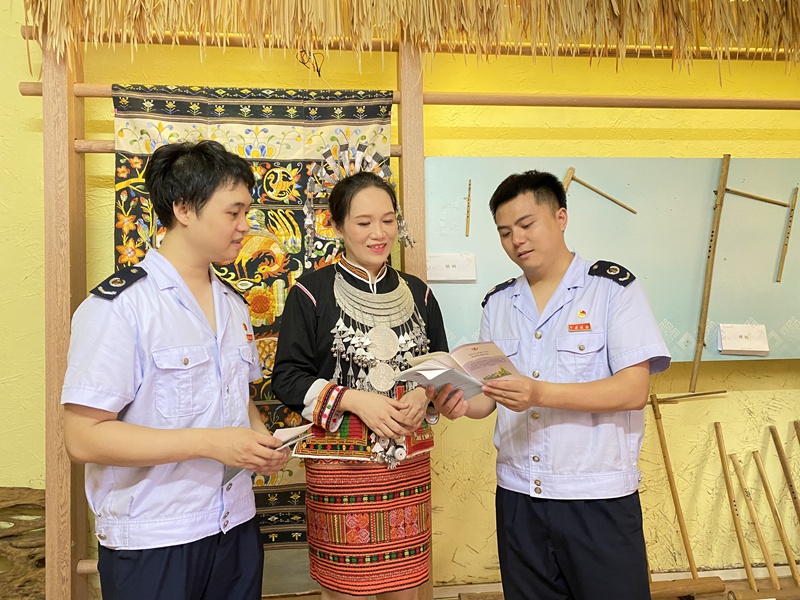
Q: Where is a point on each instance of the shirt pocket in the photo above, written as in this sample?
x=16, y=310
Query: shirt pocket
x=509, y=346
x=182, y=381
x=579, y=356
x=248, y=359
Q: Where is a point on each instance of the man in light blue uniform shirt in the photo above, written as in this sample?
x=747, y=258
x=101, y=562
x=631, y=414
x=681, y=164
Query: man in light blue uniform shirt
x=569, y=430
x=156, y=397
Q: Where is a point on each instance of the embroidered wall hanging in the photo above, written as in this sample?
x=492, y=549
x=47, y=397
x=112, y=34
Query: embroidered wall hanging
x=299, y=143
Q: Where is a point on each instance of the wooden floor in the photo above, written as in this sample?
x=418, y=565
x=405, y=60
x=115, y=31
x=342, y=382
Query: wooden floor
x=786, y=584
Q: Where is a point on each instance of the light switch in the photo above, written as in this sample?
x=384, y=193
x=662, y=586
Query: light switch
x=451, y=267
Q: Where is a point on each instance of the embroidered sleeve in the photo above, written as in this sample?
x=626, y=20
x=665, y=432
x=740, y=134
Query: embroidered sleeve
x=325, y=410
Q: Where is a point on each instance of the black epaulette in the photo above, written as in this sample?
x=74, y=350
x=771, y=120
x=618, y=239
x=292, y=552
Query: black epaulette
x=232, y=287
x=497, y=288
x=119, y=282
x=612, y=271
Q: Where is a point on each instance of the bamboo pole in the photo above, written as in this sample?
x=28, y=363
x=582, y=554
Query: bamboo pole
x=95, y=90
x=692, y=396
x=787, y=470
x=785, y=248
x=756, y=197
x=751, y=508
x=567, y=178
x=712, y=249
x=107, y=147
x=673, y=488
x=66, y=513
x=776, y=517
x=737, y=523
x=597, y=191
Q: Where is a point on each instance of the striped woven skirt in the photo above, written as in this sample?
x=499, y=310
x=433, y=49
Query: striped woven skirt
x=369, y=527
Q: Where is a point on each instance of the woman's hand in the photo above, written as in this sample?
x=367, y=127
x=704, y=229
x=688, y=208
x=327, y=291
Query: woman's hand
x=385, y=416
x=418, y=405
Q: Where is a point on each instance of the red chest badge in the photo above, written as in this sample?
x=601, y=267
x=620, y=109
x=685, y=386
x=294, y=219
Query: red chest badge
x=579, y=327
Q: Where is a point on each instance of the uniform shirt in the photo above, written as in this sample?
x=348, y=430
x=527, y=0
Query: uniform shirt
x=591, y=328
x=151, y=356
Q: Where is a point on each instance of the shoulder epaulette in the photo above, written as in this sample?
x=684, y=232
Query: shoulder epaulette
x=232, y=287
x=119, y=282
x=495, y=289
x=612, y=271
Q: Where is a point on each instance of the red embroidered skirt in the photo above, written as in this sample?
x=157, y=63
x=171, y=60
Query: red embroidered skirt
x=369, y=527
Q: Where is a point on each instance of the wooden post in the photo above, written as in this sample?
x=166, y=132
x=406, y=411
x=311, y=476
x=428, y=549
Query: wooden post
x=712, y=249
x=412, y=162
x=412, y=184
x=66, y=518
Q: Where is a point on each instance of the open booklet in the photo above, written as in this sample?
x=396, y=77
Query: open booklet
x=466, y=367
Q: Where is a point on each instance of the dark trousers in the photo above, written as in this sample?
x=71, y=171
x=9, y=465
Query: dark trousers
x=220, y=567
x=571, y=549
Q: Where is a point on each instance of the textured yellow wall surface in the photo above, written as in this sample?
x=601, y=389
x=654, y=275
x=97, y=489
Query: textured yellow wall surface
x=21, y=263
x=760, y=392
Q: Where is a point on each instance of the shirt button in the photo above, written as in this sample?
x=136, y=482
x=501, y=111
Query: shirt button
x=534, y=415
x=536, y=459
x=225, y=524
x=100, y=536
x=225, y=516
x=581, y=347
x=227, y=389
x=538, y=490
x=186, y=361
x=228, y=487
x=537, y=482
x=538, y=335
x=535, y=374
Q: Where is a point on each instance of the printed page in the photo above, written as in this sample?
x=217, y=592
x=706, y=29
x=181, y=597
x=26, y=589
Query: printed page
x=434, y=373
x=484, y=361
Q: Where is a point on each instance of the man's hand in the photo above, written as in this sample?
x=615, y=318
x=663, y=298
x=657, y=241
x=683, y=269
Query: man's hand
x=244, y=448
x=450, y=404
x=515, y=392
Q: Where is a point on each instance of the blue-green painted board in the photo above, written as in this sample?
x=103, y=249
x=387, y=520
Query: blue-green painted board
x=665, y=244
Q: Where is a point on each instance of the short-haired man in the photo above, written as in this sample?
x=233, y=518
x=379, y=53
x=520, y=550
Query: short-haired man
x=156, y=397
x=569, y=432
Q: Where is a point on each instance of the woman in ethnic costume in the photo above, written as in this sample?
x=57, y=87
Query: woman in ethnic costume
x=346, y=330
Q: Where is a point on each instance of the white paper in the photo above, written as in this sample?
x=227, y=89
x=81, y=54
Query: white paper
x=291, y=435
x=745, y=339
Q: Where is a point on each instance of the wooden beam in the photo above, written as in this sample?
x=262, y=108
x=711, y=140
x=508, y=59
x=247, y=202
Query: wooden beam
x=66, y=516
x=412, y=166
x=99, y=90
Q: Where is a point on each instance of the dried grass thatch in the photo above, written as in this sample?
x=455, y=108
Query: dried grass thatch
x=684, y=28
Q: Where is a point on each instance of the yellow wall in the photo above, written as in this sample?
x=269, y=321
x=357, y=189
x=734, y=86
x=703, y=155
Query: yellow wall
x=761, y=393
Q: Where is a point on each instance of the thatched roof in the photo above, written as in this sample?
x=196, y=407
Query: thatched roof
x=482, y=27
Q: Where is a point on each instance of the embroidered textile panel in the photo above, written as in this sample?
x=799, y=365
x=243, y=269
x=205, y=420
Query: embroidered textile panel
x=284, y=134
